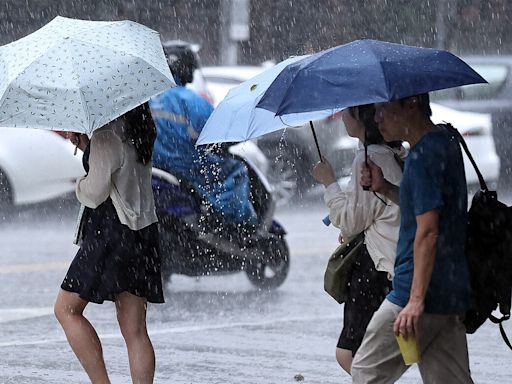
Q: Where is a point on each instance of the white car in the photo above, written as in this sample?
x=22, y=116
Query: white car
x=36, y=165
x=476, y=128
x=221, y=79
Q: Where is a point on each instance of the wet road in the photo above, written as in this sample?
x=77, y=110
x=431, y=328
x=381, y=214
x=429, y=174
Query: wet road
x=210, y=330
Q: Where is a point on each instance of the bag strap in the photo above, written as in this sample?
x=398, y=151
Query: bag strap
x=483, y=185
x=495, y=320
x=399, y=161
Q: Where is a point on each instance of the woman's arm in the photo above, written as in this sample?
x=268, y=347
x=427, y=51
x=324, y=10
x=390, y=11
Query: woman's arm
x=79, y=140
x=323, y=173
x=351, y=209
x=104, y=159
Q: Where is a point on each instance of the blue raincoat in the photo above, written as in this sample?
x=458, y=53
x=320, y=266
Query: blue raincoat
x=180, y=115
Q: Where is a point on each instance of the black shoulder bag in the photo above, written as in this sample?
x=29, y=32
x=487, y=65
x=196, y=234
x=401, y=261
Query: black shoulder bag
x=489, y=253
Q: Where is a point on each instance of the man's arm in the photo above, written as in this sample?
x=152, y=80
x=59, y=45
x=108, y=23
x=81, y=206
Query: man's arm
x=372, y=176
x=425, y=246
x=391, y=191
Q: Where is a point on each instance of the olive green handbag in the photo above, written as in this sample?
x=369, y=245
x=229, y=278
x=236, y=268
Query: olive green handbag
x=339, y=268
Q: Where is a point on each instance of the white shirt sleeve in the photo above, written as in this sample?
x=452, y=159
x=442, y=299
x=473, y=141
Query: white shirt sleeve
x=351, y=208
x=104, y=159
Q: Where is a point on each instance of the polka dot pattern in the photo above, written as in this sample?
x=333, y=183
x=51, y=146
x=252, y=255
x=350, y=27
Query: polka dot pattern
x=78, y=75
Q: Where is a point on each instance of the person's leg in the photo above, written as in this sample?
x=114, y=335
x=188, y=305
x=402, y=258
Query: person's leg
x=131, y=315
x=445, y=356
x=378, y=359
x=351, y=333
x=344, y=359
x=82, y=337
x=366, y=292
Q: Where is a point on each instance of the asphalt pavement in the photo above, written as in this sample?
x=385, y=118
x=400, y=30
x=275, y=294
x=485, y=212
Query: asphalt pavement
x=210, y=330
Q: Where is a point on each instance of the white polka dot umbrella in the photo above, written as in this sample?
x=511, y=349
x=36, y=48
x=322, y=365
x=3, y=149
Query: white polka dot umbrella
x=78, y=75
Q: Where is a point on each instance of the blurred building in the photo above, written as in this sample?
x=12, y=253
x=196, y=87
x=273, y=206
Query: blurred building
x=279, y=28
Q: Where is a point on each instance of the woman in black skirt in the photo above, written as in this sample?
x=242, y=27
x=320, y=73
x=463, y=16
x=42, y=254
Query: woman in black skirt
x=118, y=259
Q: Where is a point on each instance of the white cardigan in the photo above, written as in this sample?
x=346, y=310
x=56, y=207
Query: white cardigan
x=114, y=171
x=354, y=210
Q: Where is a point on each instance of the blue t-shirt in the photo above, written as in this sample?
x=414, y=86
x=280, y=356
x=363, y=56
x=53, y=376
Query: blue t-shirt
x=434, y=179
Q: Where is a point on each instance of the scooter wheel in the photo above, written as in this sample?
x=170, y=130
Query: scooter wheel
x=271, y=270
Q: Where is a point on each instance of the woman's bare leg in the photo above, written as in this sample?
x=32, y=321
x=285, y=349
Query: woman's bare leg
x=81, y=335
x=131, y=315
x=344, y=358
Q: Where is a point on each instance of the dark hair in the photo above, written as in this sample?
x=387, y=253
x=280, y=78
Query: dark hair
x=423, y=103
x=366, y=115
x=141, y=131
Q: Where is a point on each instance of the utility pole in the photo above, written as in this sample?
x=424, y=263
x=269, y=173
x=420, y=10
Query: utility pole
x=445, y=14
x=234, y=27
x=441, y=14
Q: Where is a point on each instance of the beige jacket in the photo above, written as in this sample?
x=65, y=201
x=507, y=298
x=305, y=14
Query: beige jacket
x=354, y=210
x=114, y=171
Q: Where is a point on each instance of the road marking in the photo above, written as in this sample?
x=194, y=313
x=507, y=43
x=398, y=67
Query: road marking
x=64, y=265
x=23, y=313
x=34, y=267
x=185, y=329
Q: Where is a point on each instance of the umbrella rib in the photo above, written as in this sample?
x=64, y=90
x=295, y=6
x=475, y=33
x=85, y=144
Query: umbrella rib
x=15, y=74
x=112, y=49
x=81, y=95
x=14, y=45
x=33, y=62
x=318, y=56
x=386, y=80
x=286, y=92
x=85, y=108
x=129, y=55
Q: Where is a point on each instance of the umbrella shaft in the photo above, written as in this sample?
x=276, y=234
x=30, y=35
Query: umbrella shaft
x=316, y=140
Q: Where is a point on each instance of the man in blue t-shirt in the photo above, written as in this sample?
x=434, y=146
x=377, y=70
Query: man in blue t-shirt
x=431, y=287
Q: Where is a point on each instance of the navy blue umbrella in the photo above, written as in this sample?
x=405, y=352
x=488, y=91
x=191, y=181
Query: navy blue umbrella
x=364, y=72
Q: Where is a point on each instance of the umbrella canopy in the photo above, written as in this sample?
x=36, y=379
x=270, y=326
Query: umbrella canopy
x=236, y=118
x=364, y=72
x=77, y=75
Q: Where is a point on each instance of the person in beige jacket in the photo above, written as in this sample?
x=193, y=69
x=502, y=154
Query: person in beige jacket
x=118, y=259
x=354, y=210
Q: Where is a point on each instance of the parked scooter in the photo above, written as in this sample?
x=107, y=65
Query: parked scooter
x=196, y=241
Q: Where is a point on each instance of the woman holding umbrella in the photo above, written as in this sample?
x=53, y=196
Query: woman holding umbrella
x=118, y=258
x=354, y=210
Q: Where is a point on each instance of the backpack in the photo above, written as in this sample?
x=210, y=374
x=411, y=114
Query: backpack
x=489, y=253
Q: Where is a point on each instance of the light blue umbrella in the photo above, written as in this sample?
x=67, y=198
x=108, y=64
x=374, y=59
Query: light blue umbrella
x=236, y=118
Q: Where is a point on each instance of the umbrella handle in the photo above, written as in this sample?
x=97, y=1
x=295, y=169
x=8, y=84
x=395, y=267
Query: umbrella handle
x=366, y=187
x=316, y=140
x=77, y=145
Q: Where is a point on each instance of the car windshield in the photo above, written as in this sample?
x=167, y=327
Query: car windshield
x=495, y=74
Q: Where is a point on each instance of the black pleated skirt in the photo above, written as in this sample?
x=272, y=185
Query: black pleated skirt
x=368, y=289
x=113, y=259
